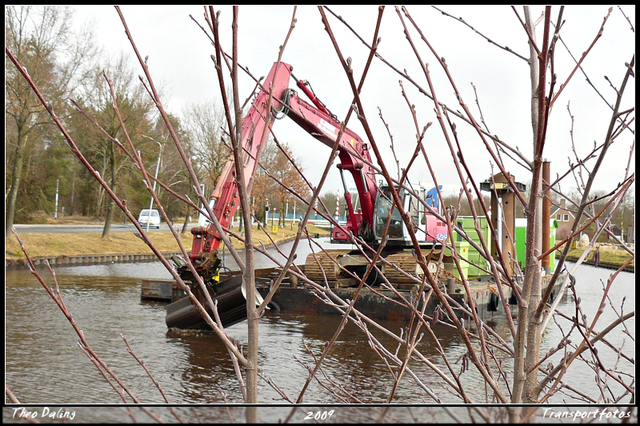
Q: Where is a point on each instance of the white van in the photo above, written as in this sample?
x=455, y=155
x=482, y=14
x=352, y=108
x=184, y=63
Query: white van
x=149, y=216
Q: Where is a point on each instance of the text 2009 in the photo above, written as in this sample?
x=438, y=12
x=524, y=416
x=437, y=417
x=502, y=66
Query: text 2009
x=319, y=415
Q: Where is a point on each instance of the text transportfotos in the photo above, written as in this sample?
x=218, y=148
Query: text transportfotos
x=597, y=414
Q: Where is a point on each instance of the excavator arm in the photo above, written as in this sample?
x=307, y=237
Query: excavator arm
x=256, y=126
x=318, y=122
x=352, y=151
x=276, y=97
x=369, y=223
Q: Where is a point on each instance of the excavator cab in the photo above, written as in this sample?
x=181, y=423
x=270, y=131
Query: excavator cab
x=384, y=207
x=429, y=230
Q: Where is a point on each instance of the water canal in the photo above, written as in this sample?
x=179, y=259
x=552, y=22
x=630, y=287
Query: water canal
x=45, y=366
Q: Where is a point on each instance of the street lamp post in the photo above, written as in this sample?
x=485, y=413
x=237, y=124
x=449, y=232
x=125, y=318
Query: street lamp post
x=55, y=215
x=156, y=176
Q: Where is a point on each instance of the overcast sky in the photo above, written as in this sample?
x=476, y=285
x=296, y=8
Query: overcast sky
x=179, y=59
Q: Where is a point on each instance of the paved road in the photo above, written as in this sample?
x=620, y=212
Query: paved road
x=116, y=227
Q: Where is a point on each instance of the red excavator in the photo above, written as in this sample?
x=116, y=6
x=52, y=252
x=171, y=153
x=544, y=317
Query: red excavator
x=368, y=223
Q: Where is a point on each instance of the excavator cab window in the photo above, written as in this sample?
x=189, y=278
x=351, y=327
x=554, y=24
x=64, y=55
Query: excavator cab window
x=384, y=204
x=413, y=207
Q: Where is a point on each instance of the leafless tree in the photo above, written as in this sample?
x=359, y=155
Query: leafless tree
x=512, y=369
x=58, y=61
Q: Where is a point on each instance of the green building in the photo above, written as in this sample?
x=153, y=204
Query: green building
x=466, y=223
x=521, y=238
x=467, y=251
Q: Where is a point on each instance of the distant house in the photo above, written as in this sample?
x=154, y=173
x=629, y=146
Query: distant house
x=565, y=220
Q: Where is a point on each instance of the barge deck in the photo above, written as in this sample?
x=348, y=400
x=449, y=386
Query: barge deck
x=377, y=303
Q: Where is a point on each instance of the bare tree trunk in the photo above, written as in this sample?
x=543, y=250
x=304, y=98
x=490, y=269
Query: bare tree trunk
x=15, y=183
x=186, y=220
x=106, y=231
x=241, y=222
x=527, y=343
x=534, y=224
x=248, y=274
x=107, y=222
x=99, y=197
x=72, y=203
x=533, y=273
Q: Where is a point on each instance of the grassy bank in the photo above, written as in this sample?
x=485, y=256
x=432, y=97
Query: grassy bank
x=609, y=254
x=121, y=242
x=125, y=242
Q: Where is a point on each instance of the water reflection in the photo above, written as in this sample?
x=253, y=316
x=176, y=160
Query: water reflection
x=285, y=342
x=45, y=366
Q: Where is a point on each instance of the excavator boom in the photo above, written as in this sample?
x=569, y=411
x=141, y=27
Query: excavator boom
x=377, y=217
x=256, y=126
x=352, y=151
x=275, y=96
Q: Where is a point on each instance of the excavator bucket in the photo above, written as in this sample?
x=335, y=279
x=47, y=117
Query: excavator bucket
x=232, y=306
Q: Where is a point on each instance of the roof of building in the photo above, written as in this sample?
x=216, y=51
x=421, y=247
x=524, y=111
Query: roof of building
x=553, y=213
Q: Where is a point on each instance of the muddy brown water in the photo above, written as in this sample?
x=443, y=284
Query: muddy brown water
x=44, y=365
